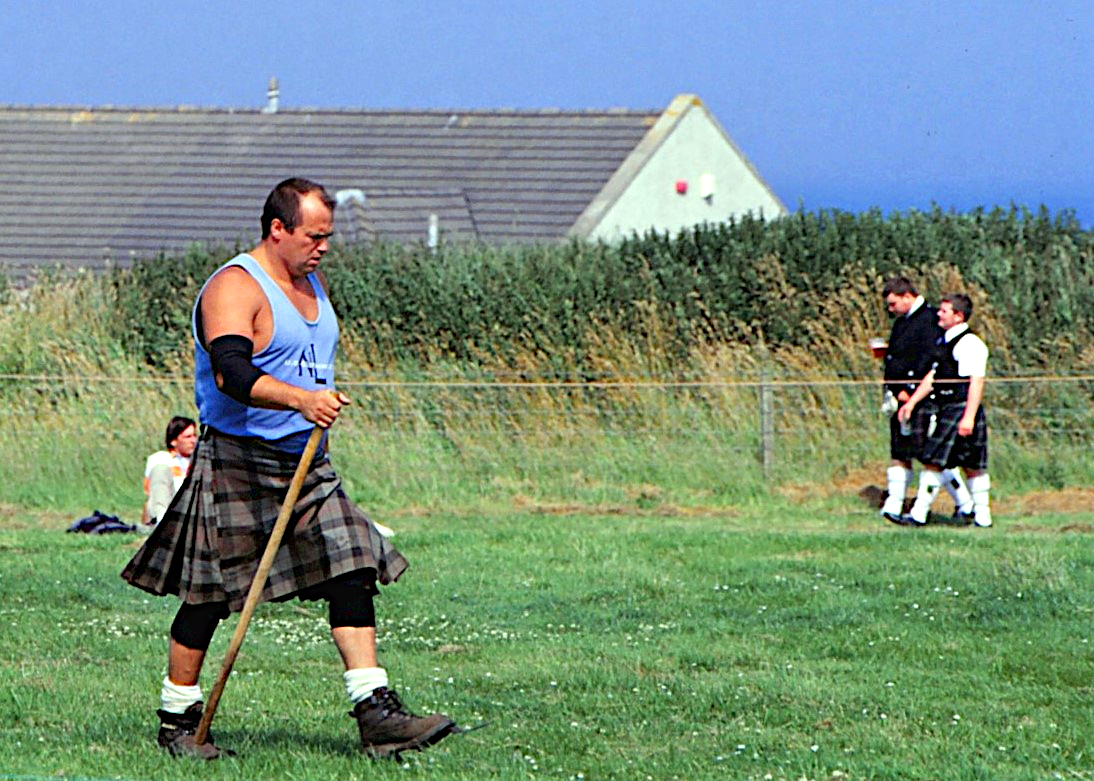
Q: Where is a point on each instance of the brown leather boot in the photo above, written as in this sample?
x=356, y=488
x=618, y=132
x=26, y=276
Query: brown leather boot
x=177, y=735
x=387, y=729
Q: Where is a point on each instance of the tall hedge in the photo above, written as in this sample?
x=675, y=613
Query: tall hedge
x=740, y=280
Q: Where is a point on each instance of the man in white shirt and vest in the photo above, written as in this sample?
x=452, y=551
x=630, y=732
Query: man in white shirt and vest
x=909, y=355
x=947, y=414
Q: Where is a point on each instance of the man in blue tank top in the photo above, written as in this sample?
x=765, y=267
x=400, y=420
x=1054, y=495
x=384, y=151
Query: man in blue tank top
x=265, y=339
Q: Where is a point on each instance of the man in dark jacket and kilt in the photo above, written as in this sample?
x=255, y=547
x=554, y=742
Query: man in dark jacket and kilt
x=908, y=357
x=950, y=423
x=265, y=339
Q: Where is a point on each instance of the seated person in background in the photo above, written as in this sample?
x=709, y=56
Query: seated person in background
x=165, y=470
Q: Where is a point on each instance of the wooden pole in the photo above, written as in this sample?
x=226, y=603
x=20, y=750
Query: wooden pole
x=259, y=583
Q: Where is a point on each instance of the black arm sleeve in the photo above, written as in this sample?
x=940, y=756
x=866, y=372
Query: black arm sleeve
x=231, y=357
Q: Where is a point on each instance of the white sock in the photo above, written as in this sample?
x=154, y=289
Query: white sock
x=898, y=478
x=980, y=488
x=176, y=699
x=962, y=499
x=929, y=483
x=363, y=681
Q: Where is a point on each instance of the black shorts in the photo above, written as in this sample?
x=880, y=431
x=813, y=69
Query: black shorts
x=902, y=447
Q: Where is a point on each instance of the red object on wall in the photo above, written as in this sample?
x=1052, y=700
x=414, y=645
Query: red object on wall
x=681, y=186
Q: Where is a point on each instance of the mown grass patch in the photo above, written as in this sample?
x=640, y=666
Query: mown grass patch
x=786, y=641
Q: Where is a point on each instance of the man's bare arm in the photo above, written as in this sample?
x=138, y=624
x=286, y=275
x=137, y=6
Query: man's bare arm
x=233, y=304
x=972, y=404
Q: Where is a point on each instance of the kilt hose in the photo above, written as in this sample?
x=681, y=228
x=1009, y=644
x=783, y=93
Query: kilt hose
x=208, y=545
x=935, y=430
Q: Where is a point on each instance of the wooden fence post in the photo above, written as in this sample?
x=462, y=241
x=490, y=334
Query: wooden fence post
x=767, y=423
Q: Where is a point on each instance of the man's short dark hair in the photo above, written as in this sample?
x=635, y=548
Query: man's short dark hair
x=961, y=303
x=898, y=286
x=175, y=427
x=283, y=202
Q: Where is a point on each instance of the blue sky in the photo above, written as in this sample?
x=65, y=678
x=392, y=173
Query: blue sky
x=842, y=104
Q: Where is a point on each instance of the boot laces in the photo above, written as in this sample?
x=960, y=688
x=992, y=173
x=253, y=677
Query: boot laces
x=390, y=705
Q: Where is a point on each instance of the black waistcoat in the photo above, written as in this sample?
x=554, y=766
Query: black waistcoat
x=946, y=369
x=912, y=346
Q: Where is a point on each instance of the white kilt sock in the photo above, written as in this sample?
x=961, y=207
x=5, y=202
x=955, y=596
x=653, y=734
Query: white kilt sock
x=363, y=681
x=962, y=499
x=176, y=699
x=897, y=478
x=980, y=488
x=929, y=483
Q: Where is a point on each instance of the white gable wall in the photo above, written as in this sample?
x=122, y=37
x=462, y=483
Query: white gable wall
x=694, y=146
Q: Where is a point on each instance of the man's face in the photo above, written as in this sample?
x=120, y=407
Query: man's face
x=304, y=246
x=899, y=303
x=947, y=318
x=185, y=442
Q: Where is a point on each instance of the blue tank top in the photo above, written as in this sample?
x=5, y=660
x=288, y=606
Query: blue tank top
x=300, y=352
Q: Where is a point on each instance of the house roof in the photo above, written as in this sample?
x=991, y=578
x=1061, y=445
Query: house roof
x=93, y=186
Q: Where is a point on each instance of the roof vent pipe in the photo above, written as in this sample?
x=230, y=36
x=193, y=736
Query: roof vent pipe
x=352, y=195
x=272, y=96
x=433, y=238
x=344, y=201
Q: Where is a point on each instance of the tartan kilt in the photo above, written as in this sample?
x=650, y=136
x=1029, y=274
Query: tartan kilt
x=208, y=545
x=935, y=427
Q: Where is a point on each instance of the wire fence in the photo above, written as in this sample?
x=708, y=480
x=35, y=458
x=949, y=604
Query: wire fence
x=769, y=430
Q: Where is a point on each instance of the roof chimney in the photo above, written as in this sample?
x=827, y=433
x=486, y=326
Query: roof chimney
x=272, y=95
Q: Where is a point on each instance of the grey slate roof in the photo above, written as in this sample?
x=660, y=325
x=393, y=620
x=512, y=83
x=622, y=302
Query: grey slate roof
x=84, y=187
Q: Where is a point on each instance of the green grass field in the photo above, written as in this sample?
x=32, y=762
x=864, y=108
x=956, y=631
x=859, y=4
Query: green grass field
x=630, y=578
x=777, y=640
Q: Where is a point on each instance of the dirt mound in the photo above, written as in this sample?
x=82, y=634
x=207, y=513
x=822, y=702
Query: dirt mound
x=1065, y=500
x=854, y=482
x=862, y=483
